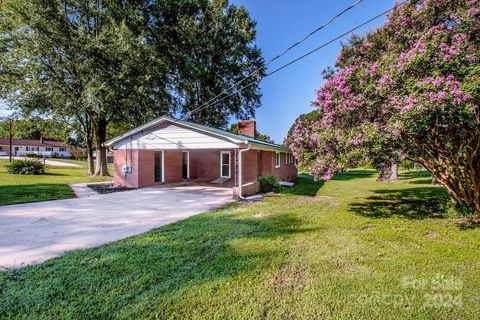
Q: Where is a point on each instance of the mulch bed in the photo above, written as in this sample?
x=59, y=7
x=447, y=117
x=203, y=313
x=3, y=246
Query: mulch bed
x=105, y=188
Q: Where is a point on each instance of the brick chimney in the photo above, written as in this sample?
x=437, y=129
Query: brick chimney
x=247, y=127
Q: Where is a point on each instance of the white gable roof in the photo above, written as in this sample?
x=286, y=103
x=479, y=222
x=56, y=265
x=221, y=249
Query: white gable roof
x=172, y=136
x=168, y=133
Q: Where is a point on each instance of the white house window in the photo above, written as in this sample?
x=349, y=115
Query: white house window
x=61, y=149
x=289, y=158
x=225, y=164
x=277, y=159
x=48, y=149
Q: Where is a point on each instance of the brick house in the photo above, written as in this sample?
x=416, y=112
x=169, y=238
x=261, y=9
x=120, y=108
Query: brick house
x=167, y=150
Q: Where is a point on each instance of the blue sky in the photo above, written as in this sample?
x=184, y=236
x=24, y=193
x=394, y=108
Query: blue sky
x=280, y=23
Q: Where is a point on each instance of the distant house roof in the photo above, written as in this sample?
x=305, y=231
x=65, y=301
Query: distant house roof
x=218, y=132
x=32, y=143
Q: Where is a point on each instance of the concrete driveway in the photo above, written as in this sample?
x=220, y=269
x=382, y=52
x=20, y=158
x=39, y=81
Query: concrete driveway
x=34, y=232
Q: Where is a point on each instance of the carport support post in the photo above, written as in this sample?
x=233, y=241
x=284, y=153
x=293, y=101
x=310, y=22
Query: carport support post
x=235, y=166
x=240, y=195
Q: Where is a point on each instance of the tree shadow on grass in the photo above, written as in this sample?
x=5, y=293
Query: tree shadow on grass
x=412, y=203
x=422, y=181
x=354, y=174
x=304, y=186
x=55, y=174
x=469, y=224
x=414, y=174
x=144, y=276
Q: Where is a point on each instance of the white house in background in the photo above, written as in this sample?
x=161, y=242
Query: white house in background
x=44, y=148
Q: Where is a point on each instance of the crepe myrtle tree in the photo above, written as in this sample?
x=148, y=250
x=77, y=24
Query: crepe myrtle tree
x=413, y=83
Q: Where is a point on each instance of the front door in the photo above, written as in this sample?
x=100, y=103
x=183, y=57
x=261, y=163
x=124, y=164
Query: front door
x=158, y=166
x=185, y=165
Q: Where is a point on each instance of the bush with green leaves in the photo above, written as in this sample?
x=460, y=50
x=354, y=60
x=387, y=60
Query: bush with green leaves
x=269, y=184
x=26, y=167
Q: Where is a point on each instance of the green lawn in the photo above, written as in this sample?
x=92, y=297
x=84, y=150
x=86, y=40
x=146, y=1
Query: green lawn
x=347, y=248
x=15, y=188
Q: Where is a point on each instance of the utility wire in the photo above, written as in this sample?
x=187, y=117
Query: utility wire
x=233, y=87
x=301, y=57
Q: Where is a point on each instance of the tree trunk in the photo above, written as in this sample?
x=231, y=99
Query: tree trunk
x=394, y=171
x=101, y=168
x=89, y=146
x=90, y=164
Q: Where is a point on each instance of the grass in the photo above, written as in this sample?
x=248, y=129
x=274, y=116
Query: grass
x=347, y=248
x=15, y=188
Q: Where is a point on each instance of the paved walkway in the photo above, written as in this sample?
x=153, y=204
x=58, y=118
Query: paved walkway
x=34, y=232
x=81, y=190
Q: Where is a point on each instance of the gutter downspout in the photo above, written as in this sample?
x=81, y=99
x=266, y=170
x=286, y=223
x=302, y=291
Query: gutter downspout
x=249, y=147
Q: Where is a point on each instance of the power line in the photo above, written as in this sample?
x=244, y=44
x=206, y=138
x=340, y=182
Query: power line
x=302, y=56
x=284, y=52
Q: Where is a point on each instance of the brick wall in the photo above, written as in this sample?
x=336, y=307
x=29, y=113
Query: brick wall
x=266, y=163
x=146, y=168
x=173, y=165
x=286, y=172
x=204, y=164
x=143, y=166
x=256, y=163
x=250, y=166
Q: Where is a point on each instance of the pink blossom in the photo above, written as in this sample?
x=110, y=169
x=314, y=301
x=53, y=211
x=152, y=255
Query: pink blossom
x=327, y=175
x=459, y=38
x=357, y=140
x=438, y=81
x=472, y=12
x=457, y=101
x=441, y=95
x=383, y=79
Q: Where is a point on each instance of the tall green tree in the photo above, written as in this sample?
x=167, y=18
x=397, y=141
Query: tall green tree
x=81, y=60
x=210, y=46
x=36, y=128
x=96, y=62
